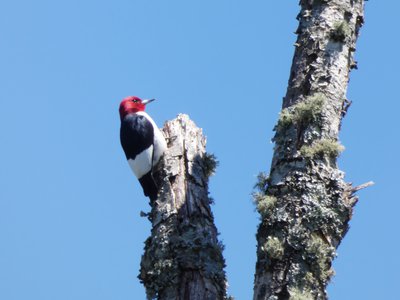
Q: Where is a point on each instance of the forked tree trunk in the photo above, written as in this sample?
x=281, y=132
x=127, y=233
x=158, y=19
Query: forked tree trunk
x=305, y=204
x=183, y=258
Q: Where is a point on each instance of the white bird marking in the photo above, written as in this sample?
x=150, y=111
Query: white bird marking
x=142, y=163
x=160, y=145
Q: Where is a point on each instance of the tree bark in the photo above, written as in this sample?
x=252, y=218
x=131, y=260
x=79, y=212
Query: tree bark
x=304, y=203
x=183, y=258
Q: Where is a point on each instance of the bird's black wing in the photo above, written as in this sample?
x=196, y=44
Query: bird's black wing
x=136, y=134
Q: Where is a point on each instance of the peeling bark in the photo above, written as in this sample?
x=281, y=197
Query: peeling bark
x=305, y=204
x=183, y=258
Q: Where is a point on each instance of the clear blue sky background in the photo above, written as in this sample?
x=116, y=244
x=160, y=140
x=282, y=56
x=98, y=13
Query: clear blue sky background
x=69, y=204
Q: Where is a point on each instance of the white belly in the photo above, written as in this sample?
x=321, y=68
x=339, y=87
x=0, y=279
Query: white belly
x=142, y=163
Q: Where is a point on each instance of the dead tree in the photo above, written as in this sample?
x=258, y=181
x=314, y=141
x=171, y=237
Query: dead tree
x=183, y=258
x=304, y=203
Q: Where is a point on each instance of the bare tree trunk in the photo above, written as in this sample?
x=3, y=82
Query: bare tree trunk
x=305, y=204
x=183, y=258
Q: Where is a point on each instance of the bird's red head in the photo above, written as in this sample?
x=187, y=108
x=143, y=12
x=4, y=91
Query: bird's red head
x=132, y=104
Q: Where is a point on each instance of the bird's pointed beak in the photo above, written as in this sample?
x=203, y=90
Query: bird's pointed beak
x=147, y=101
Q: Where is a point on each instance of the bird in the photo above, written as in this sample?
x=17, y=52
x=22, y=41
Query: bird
x=142, y=142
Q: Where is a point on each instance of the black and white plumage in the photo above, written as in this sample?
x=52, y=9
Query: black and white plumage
x=142, y=142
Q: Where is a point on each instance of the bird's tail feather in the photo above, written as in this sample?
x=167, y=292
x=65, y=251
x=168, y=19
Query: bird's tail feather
x=149, y=186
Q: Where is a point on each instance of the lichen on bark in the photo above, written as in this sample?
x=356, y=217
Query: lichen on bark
x=183, y=257
x=298, y=238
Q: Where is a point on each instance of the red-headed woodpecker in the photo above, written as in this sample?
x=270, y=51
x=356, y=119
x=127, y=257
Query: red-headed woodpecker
x=142, y=141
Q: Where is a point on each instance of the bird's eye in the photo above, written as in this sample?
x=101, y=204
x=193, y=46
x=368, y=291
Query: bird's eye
x=135, y=100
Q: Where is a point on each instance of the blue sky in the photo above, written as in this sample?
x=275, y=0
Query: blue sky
x=69, y=205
